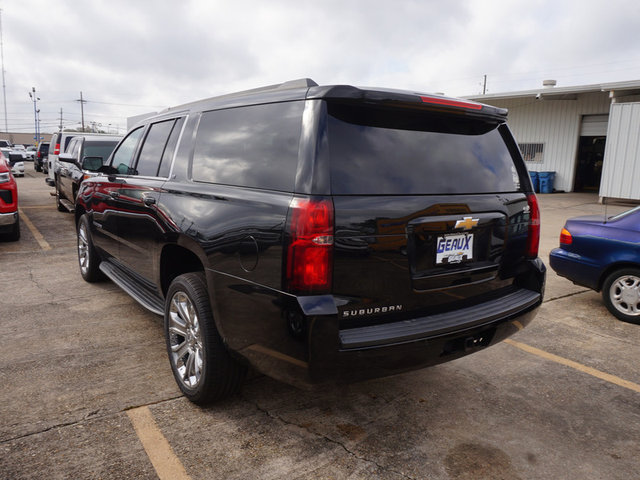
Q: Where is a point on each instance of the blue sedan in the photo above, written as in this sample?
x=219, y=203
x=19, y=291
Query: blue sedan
x=604, y=255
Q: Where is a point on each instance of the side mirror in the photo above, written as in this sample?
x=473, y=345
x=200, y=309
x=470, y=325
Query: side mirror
x=67, y=158
x=92, y=164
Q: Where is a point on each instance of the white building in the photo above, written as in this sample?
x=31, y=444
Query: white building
x=588, y=135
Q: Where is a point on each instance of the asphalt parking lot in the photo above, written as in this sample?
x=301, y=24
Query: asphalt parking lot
x=87, y=391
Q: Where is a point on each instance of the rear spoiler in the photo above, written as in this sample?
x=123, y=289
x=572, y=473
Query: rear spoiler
x=407, y=99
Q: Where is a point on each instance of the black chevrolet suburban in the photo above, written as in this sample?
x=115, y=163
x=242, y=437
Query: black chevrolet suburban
x=319, y=234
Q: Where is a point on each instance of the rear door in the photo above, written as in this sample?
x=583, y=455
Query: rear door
x=138, y=226
x=428, y=208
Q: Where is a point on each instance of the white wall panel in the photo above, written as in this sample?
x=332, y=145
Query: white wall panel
x=621, y=169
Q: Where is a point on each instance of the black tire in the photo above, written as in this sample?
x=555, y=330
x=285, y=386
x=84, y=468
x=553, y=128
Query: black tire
x=201, y=364
x=88, y=258
x=621, y=294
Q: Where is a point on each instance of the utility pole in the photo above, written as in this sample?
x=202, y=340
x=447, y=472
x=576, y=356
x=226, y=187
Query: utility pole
x=82, y=102
x=4, y=87
x=61, y=119
x=484, y=86
x=35, y=99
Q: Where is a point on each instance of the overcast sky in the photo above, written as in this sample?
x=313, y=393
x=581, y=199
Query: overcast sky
x=129, y=57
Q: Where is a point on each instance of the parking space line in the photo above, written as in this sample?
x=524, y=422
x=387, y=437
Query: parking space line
x=34, y=231
x=164, y=460
x=575, y=365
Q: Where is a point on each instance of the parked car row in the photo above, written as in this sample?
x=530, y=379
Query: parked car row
x=84, y=156
x=18, y=154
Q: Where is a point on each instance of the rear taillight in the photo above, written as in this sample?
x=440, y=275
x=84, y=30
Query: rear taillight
x=533, y=237
x=565, y=237
x=310, y=251
x=56, y=150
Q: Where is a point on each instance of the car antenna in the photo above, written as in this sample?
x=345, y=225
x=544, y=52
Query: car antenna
x=604, y=201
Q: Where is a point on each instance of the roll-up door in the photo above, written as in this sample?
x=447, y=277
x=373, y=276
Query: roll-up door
x=594, y=125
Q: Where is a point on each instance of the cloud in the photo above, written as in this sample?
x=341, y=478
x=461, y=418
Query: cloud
x=131, y=57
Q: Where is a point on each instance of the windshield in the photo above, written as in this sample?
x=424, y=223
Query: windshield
x=99, y=149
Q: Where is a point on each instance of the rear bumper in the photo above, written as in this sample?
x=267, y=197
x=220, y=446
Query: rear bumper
x=440, y=324
x=575, y=268
x=379, y=351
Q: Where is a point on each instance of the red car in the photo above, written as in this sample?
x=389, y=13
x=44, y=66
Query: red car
x=9, y=218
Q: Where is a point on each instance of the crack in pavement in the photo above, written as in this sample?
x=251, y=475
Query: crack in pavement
x=40, y=287
x=327, y=439
x=567, y=295
x=90, y=416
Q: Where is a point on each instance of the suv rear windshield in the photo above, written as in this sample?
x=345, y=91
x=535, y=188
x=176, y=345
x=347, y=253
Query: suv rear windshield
x=403, y=152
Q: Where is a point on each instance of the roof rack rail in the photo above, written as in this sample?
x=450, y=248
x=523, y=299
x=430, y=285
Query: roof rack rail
x=289, y=85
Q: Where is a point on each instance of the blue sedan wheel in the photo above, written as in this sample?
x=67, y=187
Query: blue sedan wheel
x=621, y=294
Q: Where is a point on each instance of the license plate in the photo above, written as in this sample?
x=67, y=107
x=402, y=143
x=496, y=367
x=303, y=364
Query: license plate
x=454, y=248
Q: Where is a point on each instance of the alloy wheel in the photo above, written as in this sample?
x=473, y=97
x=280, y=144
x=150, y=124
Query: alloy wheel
x=625, y=295
x=185, y=339
x=83, y=249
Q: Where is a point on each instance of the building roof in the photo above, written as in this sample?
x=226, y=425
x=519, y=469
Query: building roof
x=615, y=89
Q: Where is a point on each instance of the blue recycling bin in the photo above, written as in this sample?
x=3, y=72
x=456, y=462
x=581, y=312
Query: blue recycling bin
x=535, y=180
x=546, y=181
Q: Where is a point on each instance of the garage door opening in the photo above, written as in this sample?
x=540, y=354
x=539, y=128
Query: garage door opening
x=589, y=164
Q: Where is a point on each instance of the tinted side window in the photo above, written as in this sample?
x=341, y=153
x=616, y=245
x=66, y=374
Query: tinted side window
x=376, y=151
x=167, y=156
x=74, y=147
x=153, y=147
x=253, y=146
x=123, y=156
x=66, y=144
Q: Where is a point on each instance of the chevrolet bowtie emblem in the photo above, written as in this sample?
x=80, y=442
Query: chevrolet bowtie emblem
x=467, y=223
